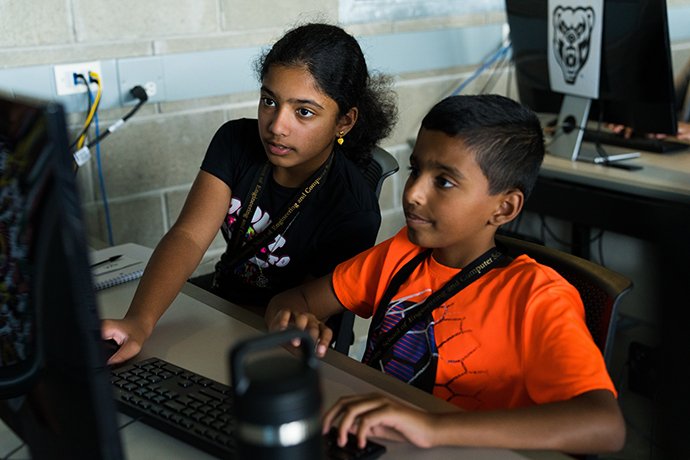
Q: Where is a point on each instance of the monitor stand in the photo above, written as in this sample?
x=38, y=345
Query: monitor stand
x=567, y=141
x=572, y=120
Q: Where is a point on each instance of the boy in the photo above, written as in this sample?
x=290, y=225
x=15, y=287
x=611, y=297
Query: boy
x=503, y=339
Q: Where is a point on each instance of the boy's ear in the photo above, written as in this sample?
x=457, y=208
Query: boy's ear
x=347, y=121
x=508, y=208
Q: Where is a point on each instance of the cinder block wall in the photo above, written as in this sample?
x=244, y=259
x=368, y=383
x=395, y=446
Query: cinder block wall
x=148, y=166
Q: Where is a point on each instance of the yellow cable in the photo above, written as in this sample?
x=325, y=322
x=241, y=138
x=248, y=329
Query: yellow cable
x=94, y=107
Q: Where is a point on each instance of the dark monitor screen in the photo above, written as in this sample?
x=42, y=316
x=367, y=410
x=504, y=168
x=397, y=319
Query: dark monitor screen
x=55, y=392
x=636, y=77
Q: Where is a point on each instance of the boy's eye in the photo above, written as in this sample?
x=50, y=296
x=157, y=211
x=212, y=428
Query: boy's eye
x=305, y=113
x=443, y=183
x=414, y=170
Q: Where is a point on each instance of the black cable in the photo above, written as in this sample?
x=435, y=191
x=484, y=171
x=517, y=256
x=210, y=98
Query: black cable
x=139, y=93
x=599, y=237
x=600, y=240
x=81, y=76
x=552, y=234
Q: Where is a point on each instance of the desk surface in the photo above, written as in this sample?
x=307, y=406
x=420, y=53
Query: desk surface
x=652, y=204
x=663, y=176
x=197, y=332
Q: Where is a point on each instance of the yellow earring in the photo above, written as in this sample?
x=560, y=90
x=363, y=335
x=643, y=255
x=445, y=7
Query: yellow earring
x=340, y=138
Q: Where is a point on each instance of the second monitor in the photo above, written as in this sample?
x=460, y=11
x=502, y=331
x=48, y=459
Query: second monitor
x=636, y=76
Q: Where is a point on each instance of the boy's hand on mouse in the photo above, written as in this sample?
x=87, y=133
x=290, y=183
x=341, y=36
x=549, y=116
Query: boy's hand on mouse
x=379, y=416
x=319, y=332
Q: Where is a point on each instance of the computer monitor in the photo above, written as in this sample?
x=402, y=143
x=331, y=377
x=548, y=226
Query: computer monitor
x=636, y=76
x=55, y=392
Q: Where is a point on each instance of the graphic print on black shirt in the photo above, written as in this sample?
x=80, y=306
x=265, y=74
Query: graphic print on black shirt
x=251, y=271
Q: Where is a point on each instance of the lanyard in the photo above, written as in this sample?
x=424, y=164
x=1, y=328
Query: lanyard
x=240, y=247
x=473, y=271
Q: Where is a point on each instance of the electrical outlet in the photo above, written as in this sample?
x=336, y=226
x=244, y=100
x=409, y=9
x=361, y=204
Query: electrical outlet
x=65, y=83
x=151, y=88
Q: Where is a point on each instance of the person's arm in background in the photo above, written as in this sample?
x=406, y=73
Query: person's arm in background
x=306, y=307
x=172, y=262
x=682, y=134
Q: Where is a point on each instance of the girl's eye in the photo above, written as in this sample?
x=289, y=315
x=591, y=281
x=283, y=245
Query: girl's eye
x=305, y=113
x=414, y=171
x=268, y=102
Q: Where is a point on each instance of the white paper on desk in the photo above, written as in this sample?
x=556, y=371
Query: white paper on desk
x=117, y=272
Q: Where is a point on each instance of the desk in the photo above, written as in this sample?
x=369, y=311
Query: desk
x=196, y=333
x=651, y=204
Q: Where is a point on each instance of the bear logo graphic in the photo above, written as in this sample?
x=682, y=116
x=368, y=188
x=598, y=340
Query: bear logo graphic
x=572, y=37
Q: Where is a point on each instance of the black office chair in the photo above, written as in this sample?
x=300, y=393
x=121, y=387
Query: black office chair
x=383, y=165
x=601, y=289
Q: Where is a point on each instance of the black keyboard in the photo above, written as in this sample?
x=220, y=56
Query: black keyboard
x=197, y=410
x=640, y=143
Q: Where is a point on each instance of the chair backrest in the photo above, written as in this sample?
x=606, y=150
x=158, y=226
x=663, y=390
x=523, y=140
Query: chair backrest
x=601, y=289
x=383, y=165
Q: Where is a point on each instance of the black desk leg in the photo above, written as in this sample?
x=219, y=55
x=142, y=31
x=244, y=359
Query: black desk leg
x=580, y=240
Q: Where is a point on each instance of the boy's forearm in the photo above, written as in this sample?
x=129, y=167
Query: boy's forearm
x=590, y=423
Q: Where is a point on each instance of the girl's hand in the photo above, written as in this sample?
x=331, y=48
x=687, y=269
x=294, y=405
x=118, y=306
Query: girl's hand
x=128, y=334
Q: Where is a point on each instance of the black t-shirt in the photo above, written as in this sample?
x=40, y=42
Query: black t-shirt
x=339, y=220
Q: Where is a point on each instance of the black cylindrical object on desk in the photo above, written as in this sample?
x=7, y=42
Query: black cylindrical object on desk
x=277, y=399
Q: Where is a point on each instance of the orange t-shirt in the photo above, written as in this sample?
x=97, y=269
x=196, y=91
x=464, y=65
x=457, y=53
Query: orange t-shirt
x=513, y=338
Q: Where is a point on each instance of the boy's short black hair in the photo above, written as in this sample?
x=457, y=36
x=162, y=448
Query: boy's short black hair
x=505, y=136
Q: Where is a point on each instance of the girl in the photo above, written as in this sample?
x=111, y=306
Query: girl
x=285, y=190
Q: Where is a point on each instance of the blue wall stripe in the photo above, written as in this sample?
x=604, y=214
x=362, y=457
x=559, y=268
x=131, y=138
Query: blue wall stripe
x=679, y=23
x=430, y=50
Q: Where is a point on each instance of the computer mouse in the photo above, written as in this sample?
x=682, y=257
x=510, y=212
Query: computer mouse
x=110, y=346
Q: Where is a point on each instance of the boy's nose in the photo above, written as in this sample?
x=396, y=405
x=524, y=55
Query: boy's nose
x=414, y=192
